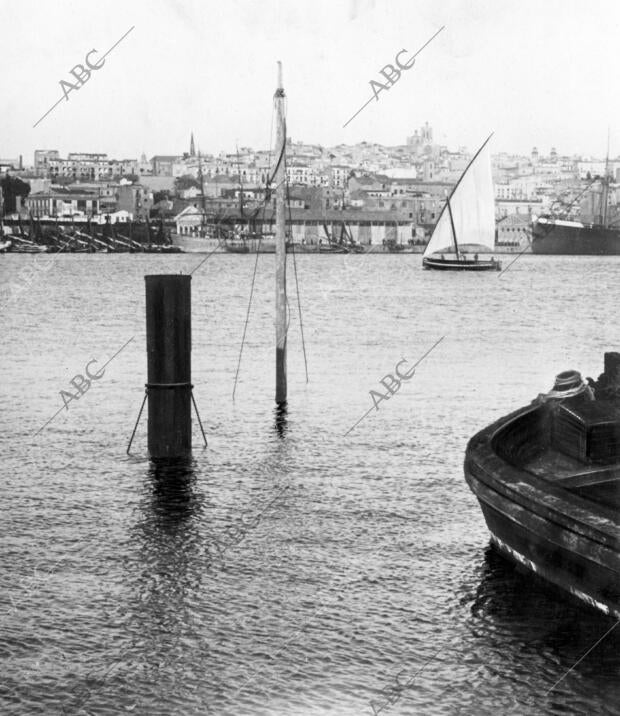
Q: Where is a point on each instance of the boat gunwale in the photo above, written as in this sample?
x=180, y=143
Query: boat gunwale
x=482, y=453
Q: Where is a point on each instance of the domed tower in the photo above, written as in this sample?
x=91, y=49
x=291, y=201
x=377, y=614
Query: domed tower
x=534, y=156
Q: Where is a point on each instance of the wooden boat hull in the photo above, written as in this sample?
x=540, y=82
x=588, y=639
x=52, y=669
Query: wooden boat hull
x=162, y=249
x=253, y=246
x=237, y=249
x=440, y=264
x=34, y=249
x=570, y=541
x=197, y=244
x=320, y=249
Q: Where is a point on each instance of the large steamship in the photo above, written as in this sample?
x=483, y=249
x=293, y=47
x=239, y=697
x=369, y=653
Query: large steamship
x=599, y=236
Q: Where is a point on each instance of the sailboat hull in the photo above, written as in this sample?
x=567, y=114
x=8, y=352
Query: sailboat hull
x=444, y=264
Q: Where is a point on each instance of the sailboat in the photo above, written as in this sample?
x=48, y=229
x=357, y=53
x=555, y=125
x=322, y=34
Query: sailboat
x=465, y=229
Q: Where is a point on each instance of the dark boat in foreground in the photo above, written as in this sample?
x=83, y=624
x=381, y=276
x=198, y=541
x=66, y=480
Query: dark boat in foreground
x=547, y=478
x=466, y=224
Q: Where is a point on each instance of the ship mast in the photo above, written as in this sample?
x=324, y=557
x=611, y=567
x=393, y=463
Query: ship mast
x=240, y=185
x=280, y=178
x=605, y=192
x=202, y=195
x=456, y=245
x=241, y=214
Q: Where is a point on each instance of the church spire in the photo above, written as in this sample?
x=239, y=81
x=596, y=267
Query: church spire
x=192, y=149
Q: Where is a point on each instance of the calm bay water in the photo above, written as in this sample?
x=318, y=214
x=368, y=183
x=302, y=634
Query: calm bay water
x=290, y=569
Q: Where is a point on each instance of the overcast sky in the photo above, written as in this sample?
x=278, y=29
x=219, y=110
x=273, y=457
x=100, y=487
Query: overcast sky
x=535, y=72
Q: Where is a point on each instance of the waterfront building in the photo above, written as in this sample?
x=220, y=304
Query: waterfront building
x=189, y=221
x=89, y=199
x=62, y=203
x=308, y=226
x=514, y=232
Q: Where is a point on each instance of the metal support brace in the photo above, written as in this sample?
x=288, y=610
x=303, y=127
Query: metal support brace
x=148, y=386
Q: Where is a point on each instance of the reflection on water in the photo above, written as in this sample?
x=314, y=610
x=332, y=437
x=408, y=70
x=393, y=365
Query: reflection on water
x=173, y=485
x=166, y=569
x=511, y=596
x=542, y=629
x=281, y=423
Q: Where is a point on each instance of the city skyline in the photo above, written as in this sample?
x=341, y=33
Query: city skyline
x=243, y=150
x=535, y=75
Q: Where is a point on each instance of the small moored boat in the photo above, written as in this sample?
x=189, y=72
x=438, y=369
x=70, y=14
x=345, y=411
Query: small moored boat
x=547, y=478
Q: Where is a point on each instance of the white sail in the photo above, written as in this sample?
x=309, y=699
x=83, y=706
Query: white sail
x=473, y=211
x=442, y=239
